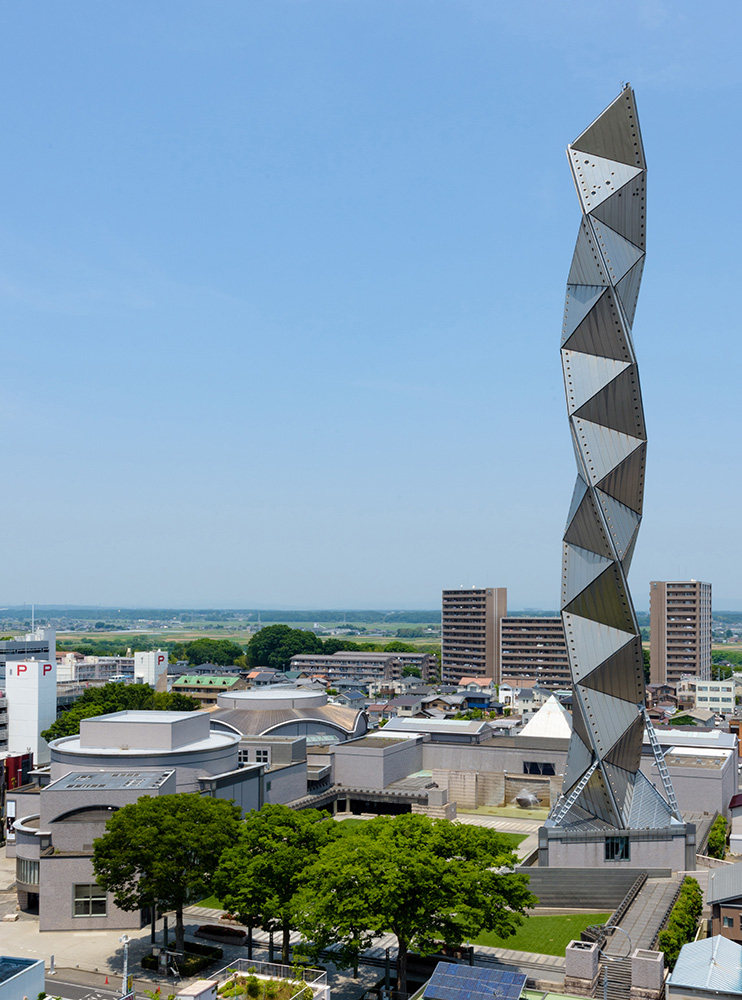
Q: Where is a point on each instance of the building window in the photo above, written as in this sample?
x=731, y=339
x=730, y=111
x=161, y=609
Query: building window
x=537, y=767
x=88, y=900
x=616, y=848
x=262, y=756
x=27, y=871
x=727, y=921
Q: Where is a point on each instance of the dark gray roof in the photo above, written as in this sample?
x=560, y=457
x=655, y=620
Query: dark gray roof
x=111, y=780
x=725, y=883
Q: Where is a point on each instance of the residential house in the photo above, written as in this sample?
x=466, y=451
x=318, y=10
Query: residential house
x=724, y=896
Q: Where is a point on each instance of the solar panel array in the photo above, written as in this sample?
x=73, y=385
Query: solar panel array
x=463, y=982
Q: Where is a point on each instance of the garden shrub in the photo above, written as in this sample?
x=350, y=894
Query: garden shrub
x=683, y=921
x=196, y=958
x=717, y=840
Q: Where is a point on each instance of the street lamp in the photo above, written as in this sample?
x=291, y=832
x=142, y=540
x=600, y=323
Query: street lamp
x=124, y=939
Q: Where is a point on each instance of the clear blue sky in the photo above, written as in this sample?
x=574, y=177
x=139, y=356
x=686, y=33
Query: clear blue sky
x=282, y=285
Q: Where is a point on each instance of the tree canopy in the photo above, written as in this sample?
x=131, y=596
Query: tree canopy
x=259, y=878
x=163, y=851
x=425, y=881
x=223, y=652
x=115, y=698
x=274, y=645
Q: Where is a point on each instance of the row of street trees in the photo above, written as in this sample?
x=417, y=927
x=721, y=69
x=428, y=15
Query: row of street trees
x=426, y=881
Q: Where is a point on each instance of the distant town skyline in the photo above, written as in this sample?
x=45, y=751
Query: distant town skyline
x=283, y=288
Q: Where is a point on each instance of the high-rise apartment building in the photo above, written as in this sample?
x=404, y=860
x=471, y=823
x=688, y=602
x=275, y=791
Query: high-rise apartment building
x=680, y=630
x=534, y=648
x=469, y=632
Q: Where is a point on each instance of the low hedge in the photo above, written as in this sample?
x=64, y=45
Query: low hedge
x=231, y=935
x=196, y=958
x=683, y=921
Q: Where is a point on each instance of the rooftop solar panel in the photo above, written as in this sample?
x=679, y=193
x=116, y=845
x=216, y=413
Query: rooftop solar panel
x=463, y=982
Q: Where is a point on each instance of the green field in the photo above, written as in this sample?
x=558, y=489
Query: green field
x=544, y=935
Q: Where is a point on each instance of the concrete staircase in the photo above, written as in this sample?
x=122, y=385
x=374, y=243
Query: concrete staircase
x=618, y=976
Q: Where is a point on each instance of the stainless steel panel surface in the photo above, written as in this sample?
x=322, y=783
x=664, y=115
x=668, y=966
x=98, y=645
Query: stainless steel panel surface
x=619, y=255
x=615, y=134
x=597, y=178
x=620, y=211
x=580, y=568
x=586, y=374
x=601, y=331
x=603, y=448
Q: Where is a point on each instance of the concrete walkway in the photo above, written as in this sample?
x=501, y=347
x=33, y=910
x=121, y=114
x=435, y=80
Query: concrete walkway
x=646, y=913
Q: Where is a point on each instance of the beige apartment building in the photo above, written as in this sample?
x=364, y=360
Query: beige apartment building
x=680, y=630
x=469, y=632
x=534, y=649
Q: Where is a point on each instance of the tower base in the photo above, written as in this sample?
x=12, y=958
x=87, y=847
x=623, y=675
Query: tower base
x=592, y=844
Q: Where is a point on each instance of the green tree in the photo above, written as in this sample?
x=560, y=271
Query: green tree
x=219, y=651
x=645, y=657
x=115, y=698
x=259, y=877
x=423, y=880
x=400, y=647
x=163, y=851
x=274, y=645
x=717, y=839
x=409, y=671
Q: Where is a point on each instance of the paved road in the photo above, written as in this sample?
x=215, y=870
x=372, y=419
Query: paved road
x=79, y=991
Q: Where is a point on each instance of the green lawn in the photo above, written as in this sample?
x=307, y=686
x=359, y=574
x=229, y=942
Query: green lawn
x=211, y=903
x=545, y=935
x=508, y=812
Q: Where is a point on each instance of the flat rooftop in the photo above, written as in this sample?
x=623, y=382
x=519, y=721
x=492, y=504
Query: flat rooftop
x=10, y=967
x=153, y=717
x=111, y=780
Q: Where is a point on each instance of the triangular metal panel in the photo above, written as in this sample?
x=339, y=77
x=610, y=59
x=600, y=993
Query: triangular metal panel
x=577, y=496
x=618, y=253
x=579, y=759
x=603, y=449
x=623, y=522
x=629, y=555
x=608, y=718
x=586, y=374
x=590, y=642
x=580, y=568
x=587, y=264
x=624, y=211
x=586, y=528
x=626, y=752
x=597, y=177
x=621, y=783
x=648, y=809
x=578, y=303
x=579, y=725
x=628, y=290
x=621, y=675
x=596, y=800
x=615, y=133
x=626, y=481
x=605, y=600
x=581, y=466
x=618, y=405
x=601, y=331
